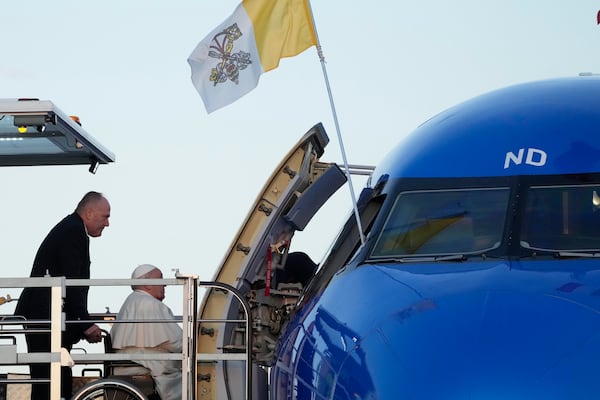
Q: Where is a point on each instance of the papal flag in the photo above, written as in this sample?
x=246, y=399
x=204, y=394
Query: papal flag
x=228, y=62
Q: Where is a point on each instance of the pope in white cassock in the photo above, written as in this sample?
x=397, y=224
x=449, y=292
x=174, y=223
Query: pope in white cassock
x=145, y=302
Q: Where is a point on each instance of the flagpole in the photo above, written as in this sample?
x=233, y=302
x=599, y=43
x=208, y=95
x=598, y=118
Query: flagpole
x=337, y=128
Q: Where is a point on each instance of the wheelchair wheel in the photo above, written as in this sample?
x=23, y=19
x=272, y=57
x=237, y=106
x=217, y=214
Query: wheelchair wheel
x=109, y=389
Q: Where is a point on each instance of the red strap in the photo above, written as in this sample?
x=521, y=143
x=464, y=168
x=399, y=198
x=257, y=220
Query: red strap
x=268, y=272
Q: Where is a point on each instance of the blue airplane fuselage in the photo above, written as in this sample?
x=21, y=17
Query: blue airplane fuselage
x=480, y=275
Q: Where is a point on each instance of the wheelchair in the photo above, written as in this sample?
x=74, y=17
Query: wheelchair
x=117, y=386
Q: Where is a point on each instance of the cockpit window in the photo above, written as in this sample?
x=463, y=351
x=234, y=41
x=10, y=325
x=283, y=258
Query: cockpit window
x=562, y=218
x=440, y=222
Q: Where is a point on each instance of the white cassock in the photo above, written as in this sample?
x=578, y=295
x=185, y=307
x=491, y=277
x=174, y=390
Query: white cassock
x=152, y=337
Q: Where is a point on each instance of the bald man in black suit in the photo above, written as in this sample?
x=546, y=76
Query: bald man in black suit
x=64, y=252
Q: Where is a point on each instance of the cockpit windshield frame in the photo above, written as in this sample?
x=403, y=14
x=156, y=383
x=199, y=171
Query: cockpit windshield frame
x=561, y=218
x=438, y=222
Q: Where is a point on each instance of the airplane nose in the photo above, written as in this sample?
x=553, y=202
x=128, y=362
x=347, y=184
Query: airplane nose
x=482, y=345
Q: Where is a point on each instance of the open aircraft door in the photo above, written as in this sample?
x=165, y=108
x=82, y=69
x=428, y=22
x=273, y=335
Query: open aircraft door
x=254, y=264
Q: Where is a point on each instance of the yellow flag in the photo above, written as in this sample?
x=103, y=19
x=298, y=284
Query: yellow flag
x=281, y=29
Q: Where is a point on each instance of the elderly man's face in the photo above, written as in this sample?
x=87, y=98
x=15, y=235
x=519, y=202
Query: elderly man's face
x=156, y=291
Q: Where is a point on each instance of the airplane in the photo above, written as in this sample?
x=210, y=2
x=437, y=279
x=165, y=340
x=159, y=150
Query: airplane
x=478, y=276
x=468, y=268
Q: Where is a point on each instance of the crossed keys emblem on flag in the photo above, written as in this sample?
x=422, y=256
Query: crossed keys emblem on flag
x=231, y=63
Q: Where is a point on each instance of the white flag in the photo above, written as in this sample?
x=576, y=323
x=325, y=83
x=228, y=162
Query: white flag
x=228, y=62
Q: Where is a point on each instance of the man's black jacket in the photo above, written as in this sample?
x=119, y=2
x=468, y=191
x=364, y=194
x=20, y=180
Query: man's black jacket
x=64, y=252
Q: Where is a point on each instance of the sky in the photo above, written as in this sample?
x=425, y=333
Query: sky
x=184, y=180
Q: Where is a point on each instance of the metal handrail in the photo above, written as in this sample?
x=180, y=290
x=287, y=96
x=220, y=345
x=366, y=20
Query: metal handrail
x=246, y=307
x=57, y=324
